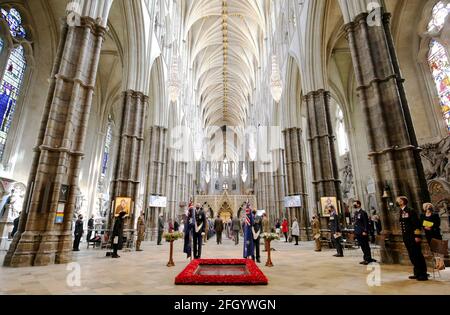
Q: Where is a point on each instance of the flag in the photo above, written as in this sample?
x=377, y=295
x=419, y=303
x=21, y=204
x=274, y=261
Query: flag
x=249, y=248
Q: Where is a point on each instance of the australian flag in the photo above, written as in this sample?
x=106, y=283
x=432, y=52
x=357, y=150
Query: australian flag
x=249, y=249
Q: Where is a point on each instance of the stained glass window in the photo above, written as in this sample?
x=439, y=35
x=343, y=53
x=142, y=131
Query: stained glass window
x=9, y=92
x=440, y=68
x=440, y=12
x=15, y=22
x=1, y=45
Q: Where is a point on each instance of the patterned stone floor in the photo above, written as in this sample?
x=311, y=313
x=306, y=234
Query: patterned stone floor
x=298, y=270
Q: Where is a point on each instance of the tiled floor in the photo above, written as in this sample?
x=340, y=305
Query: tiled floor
x=297, y=270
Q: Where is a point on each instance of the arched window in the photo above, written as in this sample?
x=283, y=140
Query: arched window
x=439, y=15
x=438, y=59
x=12, y=78
x=440, y=69
x=341, y=133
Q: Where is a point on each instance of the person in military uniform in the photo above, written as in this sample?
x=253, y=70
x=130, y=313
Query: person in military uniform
x=199, y=231
x=335, y=229
x=257, y=230
x=218, y=228
x=315, y=224
x=160, y=228
x=140, y=232
x=412, y=238
x=362, y=231
x=236, y=228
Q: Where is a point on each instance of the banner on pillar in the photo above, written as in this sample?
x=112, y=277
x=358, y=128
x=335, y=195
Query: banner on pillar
x=158, y=202
x=293, y=201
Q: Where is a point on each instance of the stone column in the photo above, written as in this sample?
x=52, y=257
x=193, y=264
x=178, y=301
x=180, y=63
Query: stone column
x=296, y=177
x=172, y=180
x=393, y=145
x=279, y=178
x=131, y=147
x=60, y=144
x=156, y=176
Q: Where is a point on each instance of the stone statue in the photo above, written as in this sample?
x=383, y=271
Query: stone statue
x=436, y=158
x=347, y=177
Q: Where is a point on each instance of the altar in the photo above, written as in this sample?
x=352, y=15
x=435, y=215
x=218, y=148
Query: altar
x=225, y=205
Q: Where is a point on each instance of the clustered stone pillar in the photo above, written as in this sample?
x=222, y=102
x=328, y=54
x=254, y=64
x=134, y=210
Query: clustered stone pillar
x=131, y=147
x=157, y=171
x=182, y=188
x=172, y=180
x=323, y=152
x=59, y=151
x=393, y=145
x=296, y=177
x=279, y=177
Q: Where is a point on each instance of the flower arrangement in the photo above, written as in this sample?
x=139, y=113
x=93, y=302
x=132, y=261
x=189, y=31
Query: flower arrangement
x=189, y=276
x=173, y=236
x=270, y=236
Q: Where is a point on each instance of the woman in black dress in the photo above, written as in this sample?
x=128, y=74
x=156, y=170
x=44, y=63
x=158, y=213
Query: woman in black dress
x=117, y=235
x=431, y=223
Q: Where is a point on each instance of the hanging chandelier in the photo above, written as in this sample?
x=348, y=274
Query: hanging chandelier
x=174, y=81
x=244, y=174
x=276, y=84
x=252, y=148
x=207, y=175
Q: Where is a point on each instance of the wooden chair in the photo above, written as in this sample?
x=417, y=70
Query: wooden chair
x=439, y=249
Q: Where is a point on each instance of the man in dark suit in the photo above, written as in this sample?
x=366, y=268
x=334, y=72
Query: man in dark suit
x=412, y=238
x=257, y=230
x=78, y=233
x=335, y=229
x=362, y=230
x=199, y=231
x=160, y=228
x=218, y=228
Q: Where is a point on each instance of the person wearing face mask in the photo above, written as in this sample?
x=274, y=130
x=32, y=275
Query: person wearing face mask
x=199, y=230
x=335, y=228
x=78, y=233
x=412, y=238
x=362, y=230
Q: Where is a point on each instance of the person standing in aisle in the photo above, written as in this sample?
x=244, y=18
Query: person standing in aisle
x=78, y=233
x=257, y=229
x=362, y=232
x=218, y=228
x=117, y=234
x=335, y=228
x=90, y=228
x=285, y=229
x=140, y=232
x=315, y=224
x=412, y=238
x=236, y=228
x=160, y=228
x=295, y=230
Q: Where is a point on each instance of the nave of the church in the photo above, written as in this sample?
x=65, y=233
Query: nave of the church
x=132, y=132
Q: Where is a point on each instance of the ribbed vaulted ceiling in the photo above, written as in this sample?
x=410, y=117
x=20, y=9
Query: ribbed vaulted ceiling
x=226, y=39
